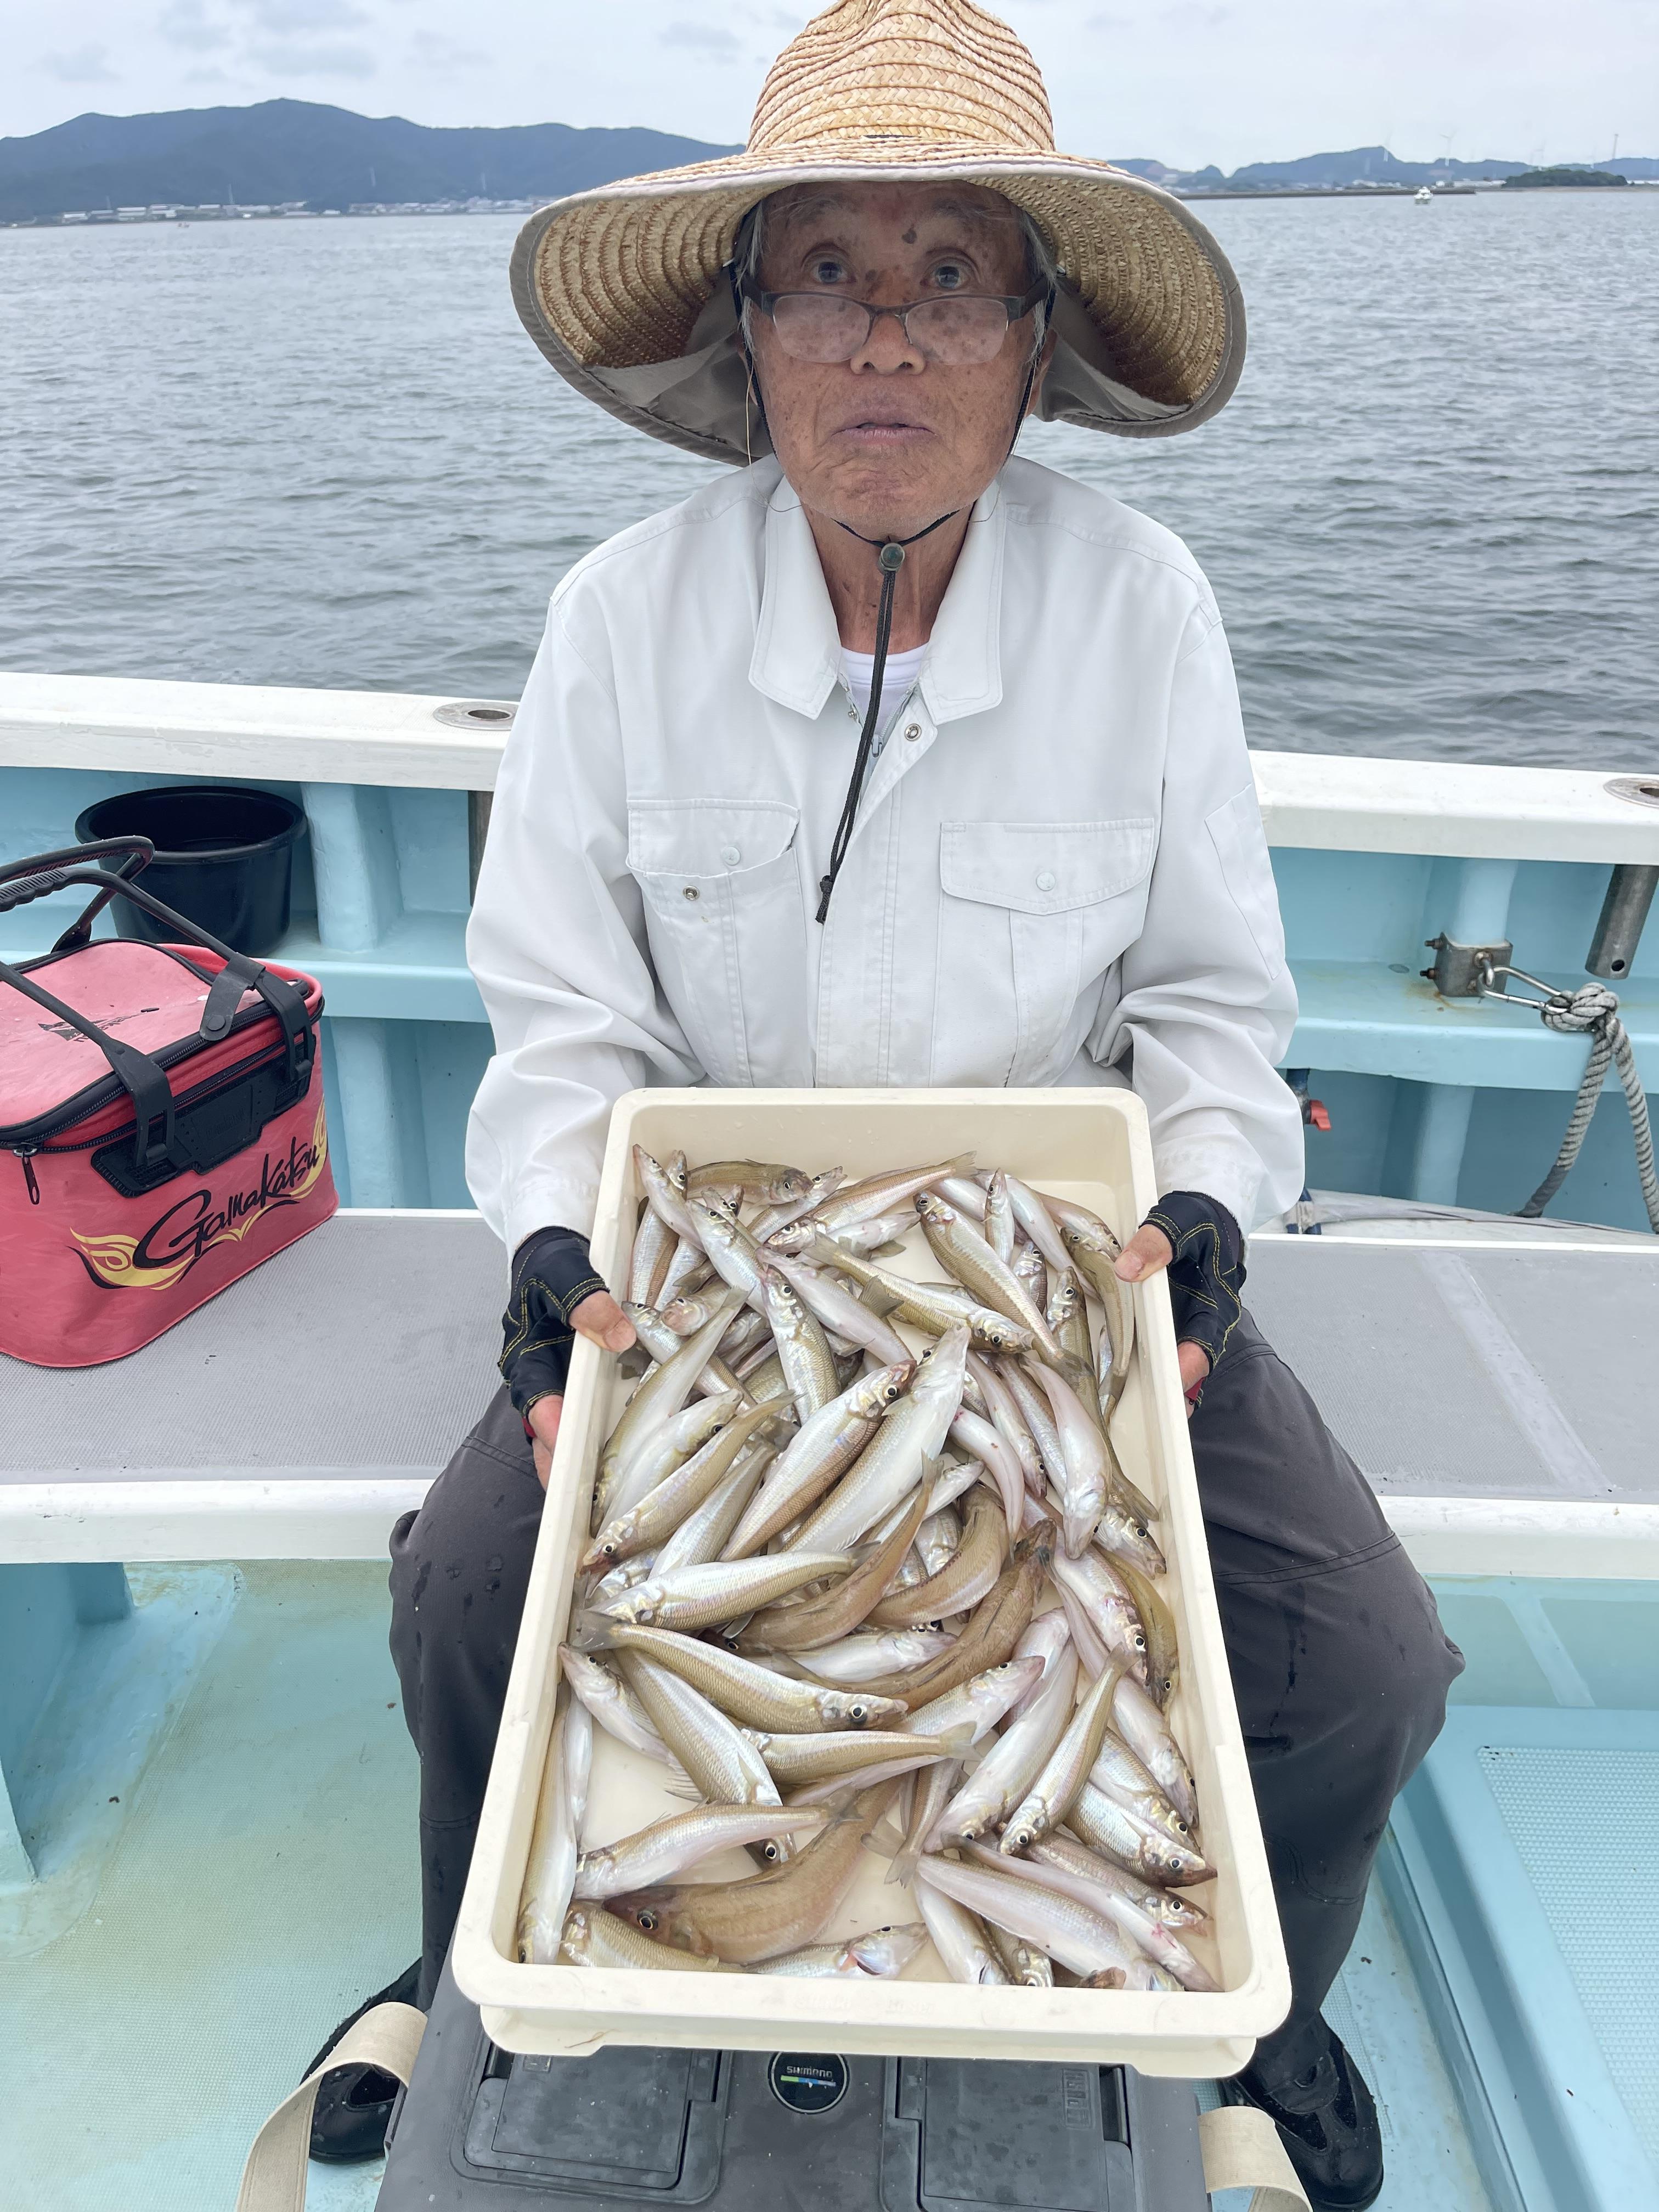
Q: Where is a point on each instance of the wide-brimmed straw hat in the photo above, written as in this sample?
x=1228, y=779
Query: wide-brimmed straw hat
x=624, y=287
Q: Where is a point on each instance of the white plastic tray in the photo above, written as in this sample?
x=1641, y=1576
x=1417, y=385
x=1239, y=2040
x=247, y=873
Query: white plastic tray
x=1091, y=1144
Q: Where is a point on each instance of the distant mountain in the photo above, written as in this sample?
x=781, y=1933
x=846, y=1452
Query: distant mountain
x=1365, y=165
x=296, y=150
x=1360, y=165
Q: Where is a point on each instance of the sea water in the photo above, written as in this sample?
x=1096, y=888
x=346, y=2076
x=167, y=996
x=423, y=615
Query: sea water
x=325, y=451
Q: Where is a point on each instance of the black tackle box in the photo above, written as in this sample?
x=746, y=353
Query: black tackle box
x=482, y=2131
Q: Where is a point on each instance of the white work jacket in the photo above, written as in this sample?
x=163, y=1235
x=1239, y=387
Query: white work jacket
x=1058, y=873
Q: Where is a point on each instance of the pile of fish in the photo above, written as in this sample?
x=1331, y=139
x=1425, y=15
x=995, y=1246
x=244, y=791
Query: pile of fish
x=859, y=1592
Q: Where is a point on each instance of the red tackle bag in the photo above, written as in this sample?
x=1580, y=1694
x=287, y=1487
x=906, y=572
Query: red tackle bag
x=162, y=1126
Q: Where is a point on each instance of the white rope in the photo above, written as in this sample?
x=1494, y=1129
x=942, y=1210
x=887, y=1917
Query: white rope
x=1593, y=1010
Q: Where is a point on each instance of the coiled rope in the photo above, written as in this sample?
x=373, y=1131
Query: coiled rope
x=1593, y=1010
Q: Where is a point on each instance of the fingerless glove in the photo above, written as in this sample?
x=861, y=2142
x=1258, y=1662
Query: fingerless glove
x=552, y=1273
x=1208, y=1272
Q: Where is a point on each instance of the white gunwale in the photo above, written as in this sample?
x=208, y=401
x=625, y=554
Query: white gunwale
x=1326, y=801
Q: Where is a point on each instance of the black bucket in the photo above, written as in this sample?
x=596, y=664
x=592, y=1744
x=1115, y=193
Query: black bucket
x=224, y=856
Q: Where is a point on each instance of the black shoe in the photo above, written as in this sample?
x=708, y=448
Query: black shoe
x=1327, y=2122
x=354, y=2103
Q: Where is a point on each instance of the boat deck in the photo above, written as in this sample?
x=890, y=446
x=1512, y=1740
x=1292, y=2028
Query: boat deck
x=263, y=1882
x=219, y=1794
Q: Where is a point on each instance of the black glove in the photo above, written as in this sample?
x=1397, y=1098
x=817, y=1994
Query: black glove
x=552, y=1273
x=1208, y=1272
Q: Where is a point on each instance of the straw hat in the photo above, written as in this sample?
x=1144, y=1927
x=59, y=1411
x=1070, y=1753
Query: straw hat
x=623, y=287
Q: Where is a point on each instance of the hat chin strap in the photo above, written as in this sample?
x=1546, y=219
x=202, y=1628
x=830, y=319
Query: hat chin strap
x=891, y=556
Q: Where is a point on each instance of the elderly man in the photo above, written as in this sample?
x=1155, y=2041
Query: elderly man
x=894, y=760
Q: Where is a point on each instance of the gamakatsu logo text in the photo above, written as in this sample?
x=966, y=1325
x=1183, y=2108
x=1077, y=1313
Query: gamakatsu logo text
x=188, y=1231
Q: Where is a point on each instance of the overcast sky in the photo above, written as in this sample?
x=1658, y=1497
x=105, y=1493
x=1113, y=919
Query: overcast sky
x=1186, y=81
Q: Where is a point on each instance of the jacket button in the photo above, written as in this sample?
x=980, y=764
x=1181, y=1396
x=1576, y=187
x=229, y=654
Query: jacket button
x=914, y=731
x=691, y=892
x=730, y=855
x=1045, y=881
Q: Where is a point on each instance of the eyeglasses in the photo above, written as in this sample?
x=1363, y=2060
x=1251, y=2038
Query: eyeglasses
x=958, y=330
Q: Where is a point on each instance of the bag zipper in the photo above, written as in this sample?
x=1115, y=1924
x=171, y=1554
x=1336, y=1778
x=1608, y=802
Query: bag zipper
x=103, y=1093
x=27, y=1153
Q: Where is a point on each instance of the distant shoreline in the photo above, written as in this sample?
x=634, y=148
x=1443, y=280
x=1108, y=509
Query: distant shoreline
x=182, y=218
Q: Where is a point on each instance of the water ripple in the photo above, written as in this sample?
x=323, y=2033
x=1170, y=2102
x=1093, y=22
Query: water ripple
x=325, y=454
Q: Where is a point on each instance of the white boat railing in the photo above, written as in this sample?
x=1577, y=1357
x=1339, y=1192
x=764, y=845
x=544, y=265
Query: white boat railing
x=1331, y=801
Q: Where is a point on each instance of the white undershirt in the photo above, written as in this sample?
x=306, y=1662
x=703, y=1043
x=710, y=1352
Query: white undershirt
x=898, y=680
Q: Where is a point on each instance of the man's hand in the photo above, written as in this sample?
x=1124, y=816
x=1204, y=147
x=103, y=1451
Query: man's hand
x=602, y=1321
x=1147, y=1252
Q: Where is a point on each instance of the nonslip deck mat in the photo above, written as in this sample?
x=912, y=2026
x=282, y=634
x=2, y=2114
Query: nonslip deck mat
x=1472, y=1371
x=1566, y=1809
x=369, y=1348
x=1526, y=1843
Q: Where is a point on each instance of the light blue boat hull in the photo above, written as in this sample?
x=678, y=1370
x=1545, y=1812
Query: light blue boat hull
x=1456, y=1102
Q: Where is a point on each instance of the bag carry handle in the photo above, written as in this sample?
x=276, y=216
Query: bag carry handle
x=53, y=871
x=41, y=875
x=1241, y=2149
x=144, y=1079
x=274, y=2178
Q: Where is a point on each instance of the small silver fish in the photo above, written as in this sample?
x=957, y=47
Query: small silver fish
x=857, y=1201
x=1050, y=1797
x=666, y=1848
x=665, y=1196
x=960, y=1248
x=761, y=1181
x=866, y=1654
x=1028, y=1967
x=1144, y=1729
x=704, y=1535
x=960, y=1939
x=692, y=1598
x=1068, y=1932
x=808, y=1365
x=653, y=1247
x=999, y=1222
x=613, y=1704
x=884, y=1953
x=594, y=1937
x=550, y=1867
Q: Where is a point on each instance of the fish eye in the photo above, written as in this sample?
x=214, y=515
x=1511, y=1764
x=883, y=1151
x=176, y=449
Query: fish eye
x=1181, y=1825
x=770, y=1851
x=648, y=1921
x=858, y=1712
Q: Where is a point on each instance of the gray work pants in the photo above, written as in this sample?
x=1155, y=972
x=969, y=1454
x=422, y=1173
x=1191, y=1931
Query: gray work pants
x=1339, y=1661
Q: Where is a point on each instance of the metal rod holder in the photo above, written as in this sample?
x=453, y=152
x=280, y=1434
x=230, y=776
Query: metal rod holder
x=478, y=830
x=1624, y=912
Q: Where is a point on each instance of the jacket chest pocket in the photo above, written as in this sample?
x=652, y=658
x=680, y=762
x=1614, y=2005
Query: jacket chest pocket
x=724, y=917
x=1031, y=915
